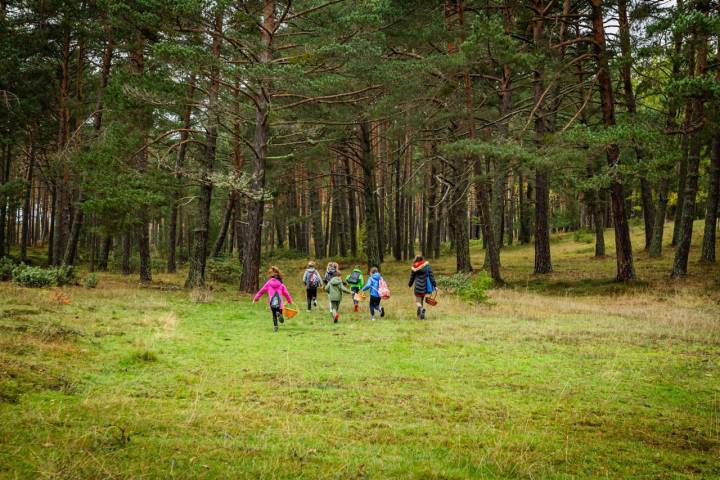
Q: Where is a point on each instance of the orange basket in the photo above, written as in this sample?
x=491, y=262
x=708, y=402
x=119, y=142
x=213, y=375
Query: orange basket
x=289, y=312
x=360, y=297
x=432, y=299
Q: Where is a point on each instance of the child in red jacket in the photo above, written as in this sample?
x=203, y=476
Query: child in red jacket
x=275, y=290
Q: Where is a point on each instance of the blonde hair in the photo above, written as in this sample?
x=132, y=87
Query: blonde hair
x=275, y=272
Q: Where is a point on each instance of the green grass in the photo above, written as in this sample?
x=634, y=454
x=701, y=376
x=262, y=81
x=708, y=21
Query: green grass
x=561, y=377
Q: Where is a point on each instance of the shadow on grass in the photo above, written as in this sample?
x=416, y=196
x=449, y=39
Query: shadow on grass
x=580, y=287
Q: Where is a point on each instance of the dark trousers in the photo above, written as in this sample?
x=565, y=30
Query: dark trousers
x=311, y=295
x=277, y=313
x=354, y=291
x=374, y=305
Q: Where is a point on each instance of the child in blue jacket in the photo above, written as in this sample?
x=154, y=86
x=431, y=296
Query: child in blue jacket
x=373, y=284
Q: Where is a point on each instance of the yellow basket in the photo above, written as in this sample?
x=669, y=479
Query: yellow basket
x=289, y=312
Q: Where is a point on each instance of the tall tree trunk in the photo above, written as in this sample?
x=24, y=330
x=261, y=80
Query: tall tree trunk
x=126, y=252
x=682, y=252
x=655, y=249
x=543, y=261
x=105, y=253
x=707, y=254
x=367, y=162
x=316, y=217
x=352, y=218
x=711, y=208
x=196, y=272
x=172, y=233
x=137, y=63
x=626, y=71
x=623, y=246
x=72, y=244
x=26, y=202
x=224, y=227
x=255, y=212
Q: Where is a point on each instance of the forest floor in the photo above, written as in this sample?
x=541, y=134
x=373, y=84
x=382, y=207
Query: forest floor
x=565, y=376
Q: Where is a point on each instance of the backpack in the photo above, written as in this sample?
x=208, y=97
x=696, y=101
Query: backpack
x=314, y=279
x=275, y=300
x=383, y=289
x=354, y=278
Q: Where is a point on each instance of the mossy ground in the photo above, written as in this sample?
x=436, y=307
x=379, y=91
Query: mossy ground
x=566, y=376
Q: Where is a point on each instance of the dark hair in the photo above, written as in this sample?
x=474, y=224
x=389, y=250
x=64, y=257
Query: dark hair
x=419, y=258
x=374, y=270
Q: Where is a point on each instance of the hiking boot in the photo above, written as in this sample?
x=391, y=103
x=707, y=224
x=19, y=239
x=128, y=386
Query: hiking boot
x=275, y=328
x=422, y=314
x=336, y=318
x=356, y=308
x=419, y=312
x=315, y=302
x=382, y=312
x=281, y=318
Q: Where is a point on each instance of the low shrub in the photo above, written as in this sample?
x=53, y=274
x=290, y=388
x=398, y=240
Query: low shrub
x=34, y=277
x=6, y=267
x=91, y=281
x=583, y=236
x=282, y=254
x=223, y=270
x=477, y=288
x=467, y=286
x=37, y=277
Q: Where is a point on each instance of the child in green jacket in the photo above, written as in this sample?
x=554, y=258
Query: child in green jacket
x=355, y=282
x=335, y=289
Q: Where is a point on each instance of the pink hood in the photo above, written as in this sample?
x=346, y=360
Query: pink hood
x=272, y=287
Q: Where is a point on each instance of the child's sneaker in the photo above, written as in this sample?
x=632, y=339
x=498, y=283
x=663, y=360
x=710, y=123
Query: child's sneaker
x=315, y=302
x=356, y=308
x=275, y=328
x=281, y=318
x=336, y=318
x=382, y=312
x=372, y=318
x=422, y=314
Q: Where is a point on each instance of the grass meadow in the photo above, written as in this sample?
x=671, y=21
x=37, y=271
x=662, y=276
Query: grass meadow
x=570, y=375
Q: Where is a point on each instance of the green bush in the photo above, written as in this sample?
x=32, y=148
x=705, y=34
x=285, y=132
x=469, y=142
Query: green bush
x=583, y=236
x=37, y=277
x=6, y=267
x=63, y=275
x=91, y=281
x=282, y=254
x=476, y=290
x=223, y=270
x=453, y=283
x=467, y=286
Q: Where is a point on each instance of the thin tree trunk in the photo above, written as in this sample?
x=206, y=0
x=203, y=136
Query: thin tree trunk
x=255, y=212
x=126, y=252
x=655, y=249
x=623, y=246
x=75, y=227
x=682, y=252
x=707, y=254
x=196, y=272
x=105, y=253
x=172, y=233
x=26, y=202
x=367, y=162
x=543, y=261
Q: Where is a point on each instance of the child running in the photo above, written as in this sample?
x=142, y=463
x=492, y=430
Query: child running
x=330, y=270
x=335, y=289
x=355, y=282
x=275, y=290
x=312, y=281
x=422, y=277
x=373, y=284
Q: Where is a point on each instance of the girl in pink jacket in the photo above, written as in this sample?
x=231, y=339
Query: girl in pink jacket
x=275, y=290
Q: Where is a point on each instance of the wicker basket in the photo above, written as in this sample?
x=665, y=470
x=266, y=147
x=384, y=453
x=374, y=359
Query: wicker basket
x=289, y=312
